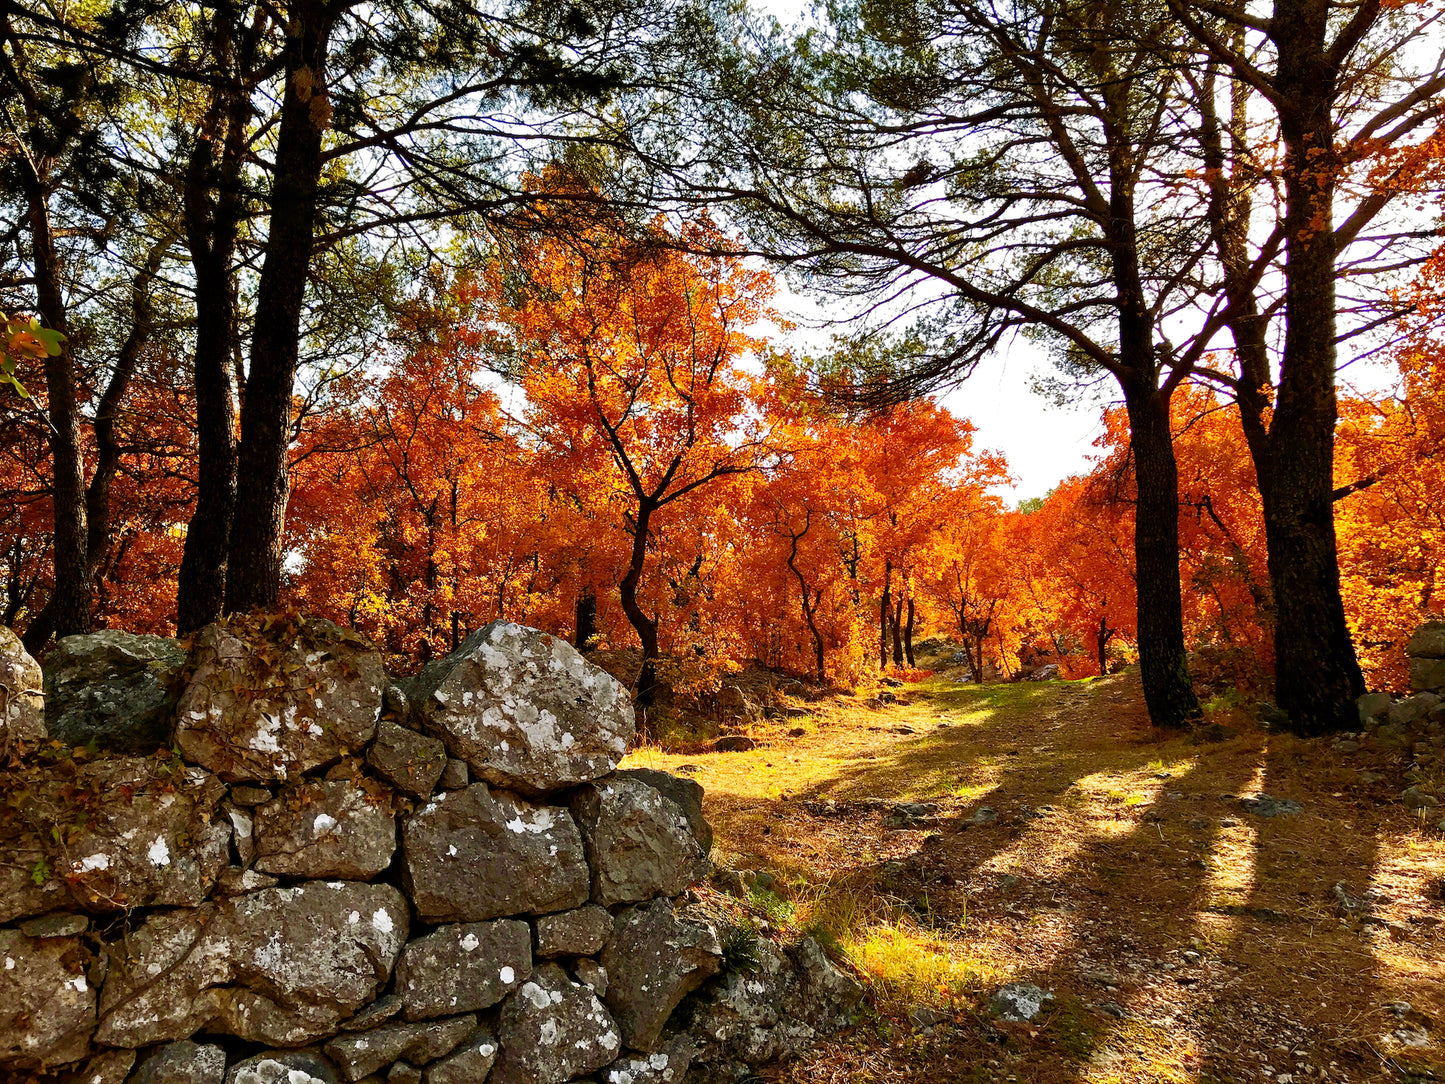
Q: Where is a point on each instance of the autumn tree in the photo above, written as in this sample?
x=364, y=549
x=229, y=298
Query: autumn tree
x=632, y=360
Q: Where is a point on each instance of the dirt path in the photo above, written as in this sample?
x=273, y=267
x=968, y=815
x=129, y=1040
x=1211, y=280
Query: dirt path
x=1184, y=936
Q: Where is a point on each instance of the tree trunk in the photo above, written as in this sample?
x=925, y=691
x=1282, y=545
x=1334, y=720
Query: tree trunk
x=213, y=209
x=884, y=605
x=107, y=447
x=1162, y=663
x=908, y=634
x=897, y=622
x=644, y=626
x=1317, y=677
x=1103, y=646
x=68, y=611
x=253, y=579
x=586, y=619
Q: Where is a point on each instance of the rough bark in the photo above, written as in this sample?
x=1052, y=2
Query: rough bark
x=253, y=579
x=213, y=210
x=586, y=619
x=644, y=626
x=1317, y=677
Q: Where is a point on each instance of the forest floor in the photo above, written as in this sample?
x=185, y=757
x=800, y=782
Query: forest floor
x=1183, y=936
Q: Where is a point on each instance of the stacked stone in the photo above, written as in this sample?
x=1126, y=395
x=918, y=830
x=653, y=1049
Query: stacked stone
x=338, y=879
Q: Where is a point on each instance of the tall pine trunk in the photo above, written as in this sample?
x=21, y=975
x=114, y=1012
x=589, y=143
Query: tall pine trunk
x=1317, y=676
x=253, y=578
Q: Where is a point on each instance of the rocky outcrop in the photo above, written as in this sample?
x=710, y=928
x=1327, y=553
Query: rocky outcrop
x=255, y=892
x=114, y=689
x=22, y=699
x=525, y=710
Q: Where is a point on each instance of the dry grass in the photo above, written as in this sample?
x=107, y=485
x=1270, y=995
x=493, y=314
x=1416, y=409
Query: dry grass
x=1115, y=852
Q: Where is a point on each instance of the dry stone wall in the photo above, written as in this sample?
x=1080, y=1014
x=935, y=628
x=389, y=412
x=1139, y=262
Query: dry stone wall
x=327, y=877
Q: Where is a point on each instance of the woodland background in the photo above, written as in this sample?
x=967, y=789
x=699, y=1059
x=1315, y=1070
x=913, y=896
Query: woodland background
x=418, y=315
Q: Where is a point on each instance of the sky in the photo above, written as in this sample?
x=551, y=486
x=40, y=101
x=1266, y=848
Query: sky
x=1043, y=443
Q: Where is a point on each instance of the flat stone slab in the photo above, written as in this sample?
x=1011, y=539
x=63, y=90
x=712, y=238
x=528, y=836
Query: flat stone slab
x=47, y=1008
x=326, y=829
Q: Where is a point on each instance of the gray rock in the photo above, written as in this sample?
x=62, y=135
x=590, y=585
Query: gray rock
x=411, y=762
x=749, y=1018
x=474, y=854
x=1047, y=672
x=58, y=924
x=249, y=797
x=666, y=1065
x=1415, y=798
x=1262, y=805
x=107, y=1067
x=828, y=997
x=235, y=881
x=243, y=832
x=327, y=829
x=183, y=1062
x=283, y=1067
x=22, y=696
x=455, y=775
x=151, y=834
x=1427, y=675
x=1413, y=710
x=463, y=968
x=377, y=1013
x=654, y=959
x=734, y=743
x=686, y=794
x=469, y=1064
x=263, y=706
x=114, y=688
x=639, y=843
x=283, y=966
x=984, y=816
x=1372, y=706
x=582, y=932
x=363, y=1053
x=1428, y=642
x=525, y=710
x=1018, y=1002
x=590, y=973
x=922, y=1016
x=28, y=885
x=47, y=1007
x=403, y=1072
x=552, y=1029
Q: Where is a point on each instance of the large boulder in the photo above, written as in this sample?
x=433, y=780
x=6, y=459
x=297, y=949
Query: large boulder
x=463, y=968
x=22, y=698
x=114, y=688
x=126, y=832
x=654, y=959
x=475, y=854
x=639, y=842
x=525, y=710
x=269, y=698
x=335, y=828
x=283, y=966
x=47, y=1008
x=552, y=1029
